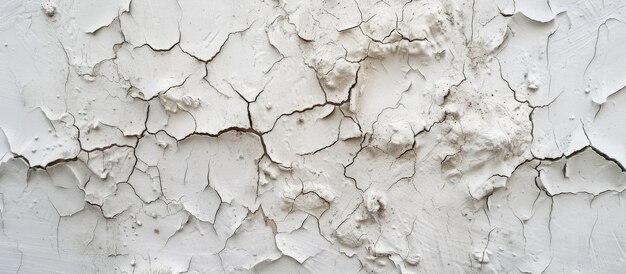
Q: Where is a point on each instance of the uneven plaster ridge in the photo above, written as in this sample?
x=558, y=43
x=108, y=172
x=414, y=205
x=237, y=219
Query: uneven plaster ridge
x=280, y=136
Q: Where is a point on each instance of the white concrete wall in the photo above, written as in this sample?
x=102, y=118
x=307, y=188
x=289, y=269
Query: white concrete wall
x=339, y=136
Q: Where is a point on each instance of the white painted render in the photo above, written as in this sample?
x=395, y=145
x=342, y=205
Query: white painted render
x=298, y=136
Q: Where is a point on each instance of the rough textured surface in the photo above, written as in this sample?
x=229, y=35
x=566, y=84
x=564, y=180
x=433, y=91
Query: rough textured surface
x=286, y=136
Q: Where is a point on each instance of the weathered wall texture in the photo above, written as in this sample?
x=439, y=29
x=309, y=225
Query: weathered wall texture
x=187, y=136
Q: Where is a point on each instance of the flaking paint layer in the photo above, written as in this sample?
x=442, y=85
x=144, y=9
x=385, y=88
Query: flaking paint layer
x=280, y=136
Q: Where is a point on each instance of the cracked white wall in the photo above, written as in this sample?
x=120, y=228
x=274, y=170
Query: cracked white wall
x=284, y=136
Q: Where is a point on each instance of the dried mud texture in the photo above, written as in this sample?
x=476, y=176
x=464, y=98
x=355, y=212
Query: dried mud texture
x=280, y=136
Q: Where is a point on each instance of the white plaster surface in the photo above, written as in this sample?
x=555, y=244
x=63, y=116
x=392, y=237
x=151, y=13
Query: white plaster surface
x=295, y=136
